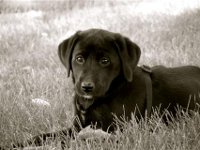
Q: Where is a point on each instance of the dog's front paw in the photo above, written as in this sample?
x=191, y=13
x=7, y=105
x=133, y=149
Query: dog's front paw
x=89, y=133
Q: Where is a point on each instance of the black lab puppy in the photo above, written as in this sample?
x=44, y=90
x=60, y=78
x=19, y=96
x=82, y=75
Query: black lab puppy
x=108, y=82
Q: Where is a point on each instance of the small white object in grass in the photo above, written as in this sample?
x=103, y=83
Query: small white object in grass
x=27, y=68
x=35, y=14
x=41, y=102
x=44, y=34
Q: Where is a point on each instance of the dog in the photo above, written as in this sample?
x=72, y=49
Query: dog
x=108, y=82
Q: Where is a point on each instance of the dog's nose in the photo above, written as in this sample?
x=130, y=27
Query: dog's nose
x=87, y=87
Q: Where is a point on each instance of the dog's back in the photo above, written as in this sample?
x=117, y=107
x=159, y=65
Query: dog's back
x=176, y=86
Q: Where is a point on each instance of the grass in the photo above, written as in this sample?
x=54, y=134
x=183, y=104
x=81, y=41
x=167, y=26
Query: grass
x=30, y=68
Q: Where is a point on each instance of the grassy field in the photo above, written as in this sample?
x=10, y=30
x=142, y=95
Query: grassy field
x=168, y=35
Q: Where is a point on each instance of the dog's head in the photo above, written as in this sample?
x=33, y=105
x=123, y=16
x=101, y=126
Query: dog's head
x=96, y=57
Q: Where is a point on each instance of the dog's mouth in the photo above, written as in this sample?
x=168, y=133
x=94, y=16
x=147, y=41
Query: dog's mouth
x=86, y=102
x=88, y=97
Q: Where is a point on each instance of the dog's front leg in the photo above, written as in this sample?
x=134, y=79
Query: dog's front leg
x=43, y=139
x=62, y=136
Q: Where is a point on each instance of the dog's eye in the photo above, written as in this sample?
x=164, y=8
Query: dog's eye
x=104, y=61
x=80, y=59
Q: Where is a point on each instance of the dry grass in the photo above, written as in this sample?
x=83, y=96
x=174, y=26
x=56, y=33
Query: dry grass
x=30, y=68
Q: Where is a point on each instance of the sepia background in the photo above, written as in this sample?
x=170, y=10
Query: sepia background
x=35, y=93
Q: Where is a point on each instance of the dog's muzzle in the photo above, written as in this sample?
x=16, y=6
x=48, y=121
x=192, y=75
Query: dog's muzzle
x=87, y=87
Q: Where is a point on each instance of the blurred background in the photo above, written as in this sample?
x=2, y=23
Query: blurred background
x=176, y=6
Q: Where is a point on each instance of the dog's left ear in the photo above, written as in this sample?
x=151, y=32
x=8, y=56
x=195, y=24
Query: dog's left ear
x=129, y=53
x=65, y=50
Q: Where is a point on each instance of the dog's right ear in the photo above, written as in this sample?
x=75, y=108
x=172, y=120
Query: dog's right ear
x=65, y=50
